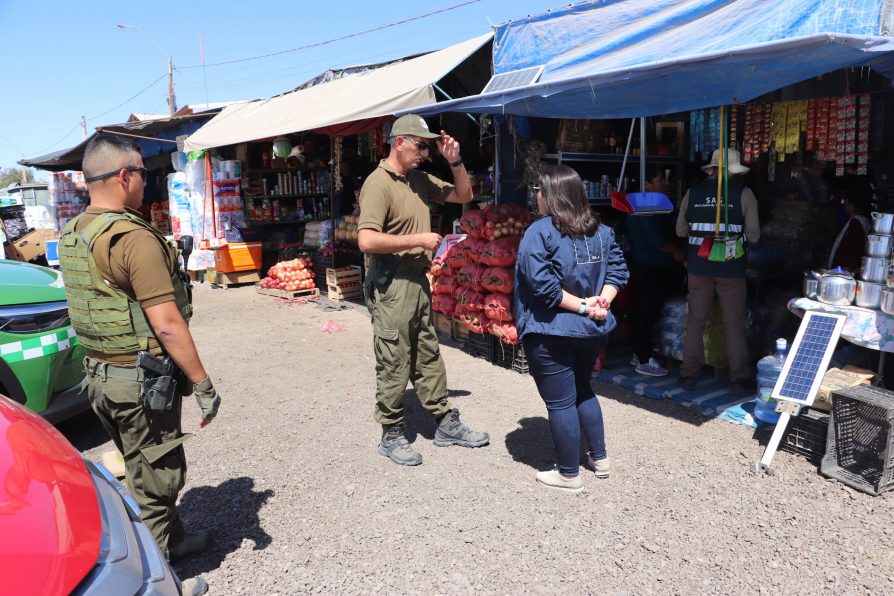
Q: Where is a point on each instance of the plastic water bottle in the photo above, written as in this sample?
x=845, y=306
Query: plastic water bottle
x=768, y=370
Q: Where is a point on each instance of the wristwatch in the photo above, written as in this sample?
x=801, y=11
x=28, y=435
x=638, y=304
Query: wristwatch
x=456, y=163
x=583, y=308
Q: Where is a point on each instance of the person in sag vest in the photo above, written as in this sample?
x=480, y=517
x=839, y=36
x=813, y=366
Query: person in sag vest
x=129, y=304
x=726, y=279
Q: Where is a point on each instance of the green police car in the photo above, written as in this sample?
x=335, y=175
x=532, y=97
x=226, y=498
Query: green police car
x=40, y=358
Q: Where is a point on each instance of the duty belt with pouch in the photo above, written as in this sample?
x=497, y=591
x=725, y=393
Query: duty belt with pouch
x=160, y=381
x=383, y=269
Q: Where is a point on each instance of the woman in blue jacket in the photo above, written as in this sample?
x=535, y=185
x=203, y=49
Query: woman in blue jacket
x=569, y=270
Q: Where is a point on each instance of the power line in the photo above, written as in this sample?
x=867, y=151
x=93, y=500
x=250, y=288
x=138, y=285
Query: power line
x=76, y=126
x=65, y=136
x=342, y=38
x=126, y=101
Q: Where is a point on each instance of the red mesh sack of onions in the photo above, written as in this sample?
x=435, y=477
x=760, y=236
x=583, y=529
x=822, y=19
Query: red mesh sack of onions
x=443, y=303
x=472, y=223
x=469, y=275
x=472, y=321
x=444, y=284
x=501, y=253
x=506, y=331
x=498, y=307
x=498, y=279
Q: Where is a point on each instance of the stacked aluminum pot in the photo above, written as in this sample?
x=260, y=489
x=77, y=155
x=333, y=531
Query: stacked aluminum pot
x=876, y=286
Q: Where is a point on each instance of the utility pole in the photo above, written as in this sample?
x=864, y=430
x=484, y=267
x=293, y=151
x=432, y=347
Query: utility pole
x=172, y=101
x=84, y=125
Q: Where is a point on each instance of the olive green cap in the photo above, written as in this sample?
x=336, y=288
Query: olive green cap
x=411, y=125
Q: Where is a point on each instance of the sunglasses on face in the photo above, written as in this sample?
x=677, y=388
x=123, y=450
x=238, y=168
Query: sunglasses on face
x=143, y=171
x=419, y=144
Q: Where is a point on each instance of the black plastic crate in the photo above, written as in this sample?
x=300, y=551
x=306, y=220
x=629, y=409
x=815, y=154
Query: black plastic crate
x=860, y=445
x=481, y=345
x=510, y=356
x=806, y=435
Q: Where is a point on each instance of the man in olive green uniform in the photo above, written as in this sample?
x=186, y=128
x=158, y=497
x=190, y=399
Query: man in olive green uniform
x=126, y=295
x=395, y=234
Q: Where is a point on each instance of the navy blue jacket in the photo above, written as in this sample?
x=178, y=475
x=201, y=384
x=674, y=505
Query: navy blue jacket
x=548, y=263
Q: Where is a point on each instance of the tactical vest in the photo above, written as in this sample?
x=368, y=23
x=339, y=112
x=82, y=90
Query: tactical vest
x=105, y=318
x=701, y=213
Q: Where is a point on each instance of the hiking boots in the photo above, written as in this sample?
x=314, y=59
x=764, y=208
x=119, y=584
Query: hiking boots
x=193, y=586
x=451, y=431
x=394, y=446
x=553, y=479
x=192, y=543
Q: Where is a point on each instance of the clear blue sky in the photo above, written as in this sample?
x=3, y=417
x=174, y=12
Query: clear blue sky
x=65, y=59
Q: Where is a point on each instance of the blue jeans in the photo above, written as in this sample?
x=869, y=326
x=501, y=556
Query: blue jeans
x=562, y=368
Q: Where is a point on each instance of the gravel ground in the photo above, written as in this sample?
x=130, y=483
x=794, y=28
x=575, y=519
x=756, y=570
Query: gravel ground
x=289, y=480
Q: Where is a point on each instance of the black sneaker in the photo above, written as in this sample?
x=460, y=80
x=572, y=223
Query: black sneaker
x=687, y=383
x=451, y=431
x=744, y=387
x=394, y=446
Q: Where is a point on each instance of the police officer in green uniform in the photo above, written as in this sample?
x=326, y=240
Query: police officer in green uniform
x=697, y=221
x=129, y=304
x=395, y=234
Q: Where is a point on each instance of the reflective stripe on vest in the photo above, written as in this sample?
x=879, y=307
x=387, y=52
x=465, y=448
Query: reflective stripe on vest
x=105, y=318
x=709, y=227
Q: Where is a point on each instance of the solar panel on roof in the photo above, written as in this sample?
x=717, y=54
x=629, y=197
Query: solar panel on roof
x=809, y=358
x=514, y=79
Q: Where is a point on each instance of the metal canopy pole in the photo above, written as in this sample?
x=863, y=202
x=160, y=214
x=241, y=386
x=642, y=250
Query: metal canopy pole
x=626, y=154
x=497, y=171
x=642, y=154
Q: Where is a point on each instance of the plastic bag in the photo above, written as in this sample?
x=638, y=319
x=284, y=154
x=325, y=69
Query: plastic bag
x=331, y=326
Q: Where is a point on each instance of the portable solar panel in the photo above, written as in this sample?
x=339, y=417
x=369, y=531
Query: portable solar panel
x=514, y=79
x=809, y=358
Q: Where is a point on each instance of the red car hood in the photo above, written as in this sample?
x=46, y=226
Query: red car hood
x=50, y=526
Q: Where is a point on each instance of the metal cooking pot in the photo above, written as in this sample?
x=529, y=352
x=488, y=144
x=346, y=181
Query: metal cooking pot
x=869, y=295
x=836, y=288
x=882, y=223
x=874, y=269
x=887, y=301
x=810, y=284
x=879, y=245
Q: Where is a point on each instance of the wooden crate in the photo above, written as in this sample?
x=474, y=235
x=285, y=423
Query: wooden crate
x=345, y=292
x=218, y=278
x=286, y=294
x=343, y=276
x=443, y=324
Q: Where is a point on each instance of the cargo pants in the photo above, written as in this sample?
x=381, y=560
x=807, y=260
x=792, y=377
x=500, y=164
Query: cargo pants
x=151, y=443
x=405, y=345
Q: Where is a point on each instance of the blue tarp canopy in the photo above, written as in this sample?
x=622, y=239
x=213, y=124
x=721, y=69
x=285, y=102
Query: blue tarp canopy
x=627, y=58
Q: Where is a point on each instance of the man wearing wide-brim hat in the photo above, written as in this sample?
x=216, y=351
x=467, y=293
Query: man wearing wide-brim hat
x=697, y=221
x=394, y=232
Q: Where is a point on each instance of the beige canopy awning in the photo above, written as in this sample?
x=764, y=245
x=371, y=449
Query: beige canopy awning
x=372, y=94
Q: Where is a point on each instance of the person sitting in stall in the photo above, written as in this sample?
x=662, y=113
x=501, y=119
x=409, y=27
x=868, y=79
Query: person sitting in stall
x=725, y=278
x=849, y=245
x=654, y=259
